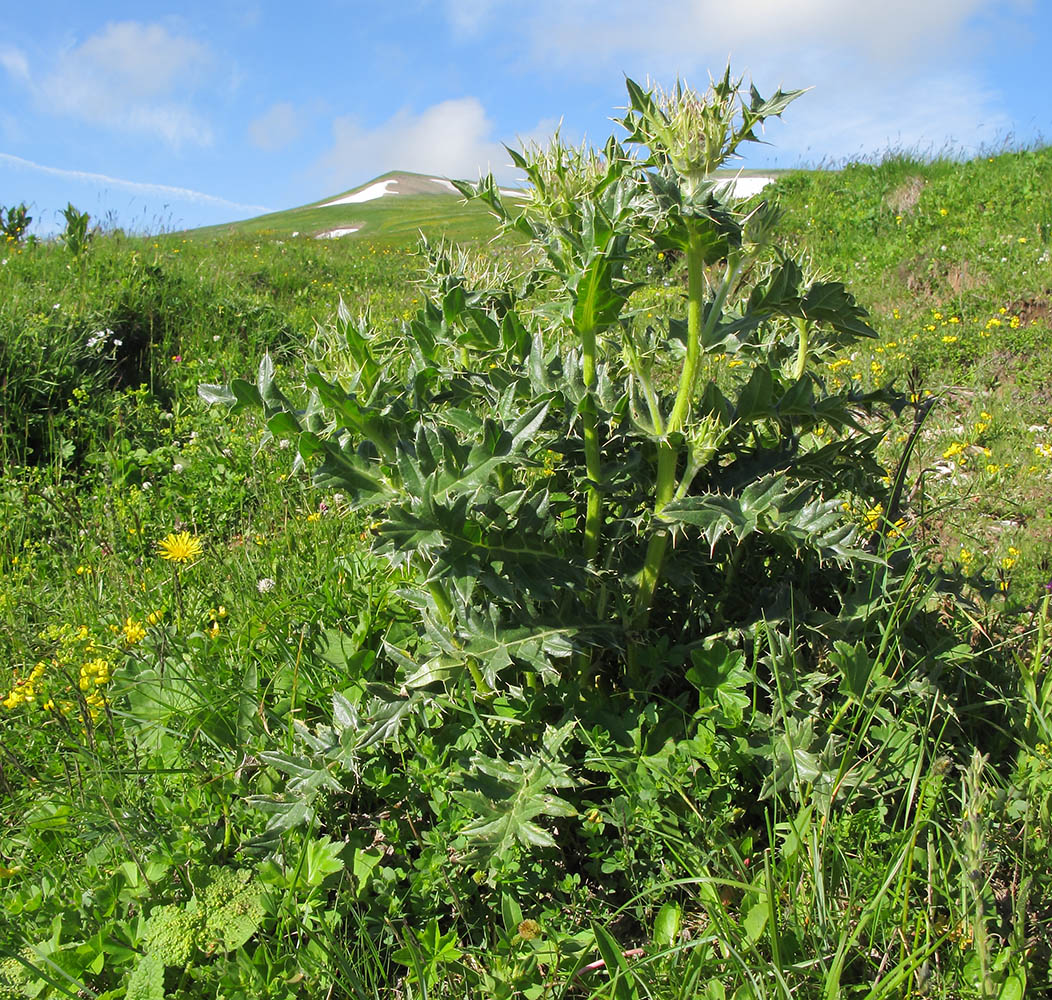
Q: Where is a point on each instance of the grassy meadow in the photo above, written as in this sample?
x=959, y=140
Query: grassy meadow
x=431, y=651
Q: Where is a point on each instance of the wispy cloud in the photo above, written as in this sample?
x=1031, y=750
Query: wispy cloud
x=139, y=187
x=469, y=17
x=278, y=127
x=14, y=61
x=129, y=76
x=898, y=71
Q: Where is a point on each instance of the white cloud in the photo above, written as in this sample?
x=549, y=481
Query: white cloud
x=701, y=31
x=452, y=138
x=469, y=17
x=138, y=187
x=133, y=77
x=896, y=72
x=279, y=126
x=15, y=63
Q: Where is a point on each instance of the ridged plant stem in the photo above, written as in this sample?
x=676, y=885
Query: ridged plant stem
x=593, y=522
x=593, y=519
x=801, y=352
x=445, y=611
x=668, y=452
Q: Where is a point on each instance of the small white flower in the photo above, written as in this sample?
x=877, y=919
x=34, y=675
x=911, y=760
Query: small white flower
x=178, y=467
x=215, y=338
x=284, y=443
x=266, y=585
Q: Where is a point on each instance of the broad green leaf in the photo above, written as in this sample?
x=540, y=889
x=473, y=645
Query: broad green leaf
x=755, y=920
x=666, y=925
x=147, y=980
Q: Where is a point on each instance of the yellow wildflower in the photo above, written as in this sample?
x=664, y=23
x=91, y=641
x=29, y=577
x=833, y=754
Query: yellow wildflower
x=133, y=631
x=180, y=547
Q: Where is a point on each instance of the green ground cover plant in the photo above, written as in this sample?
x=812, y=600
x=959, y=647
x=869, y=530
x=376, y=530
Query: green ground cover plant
x=584, y=615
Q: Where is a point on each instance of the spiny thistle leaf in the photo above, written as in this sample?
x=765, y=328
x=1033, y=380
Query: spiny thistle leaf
x=508, y=796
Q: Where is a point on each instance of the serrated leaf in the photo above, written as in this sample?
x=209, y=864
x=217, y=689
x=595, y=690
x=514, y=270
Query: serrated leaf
x=830, y=302
x=508, y=796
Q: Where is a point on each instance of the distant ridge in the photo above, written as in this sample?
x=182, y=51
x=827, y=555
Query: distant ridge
x=396, y=207
x=393, y=208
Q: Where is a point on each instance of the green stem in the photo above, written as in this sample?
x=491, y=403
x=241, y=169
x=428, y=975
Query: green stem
x=593, y=517
x=801, y=353
x=668, y=453
x=695, y=304
x=594, y=513
x=445, y=611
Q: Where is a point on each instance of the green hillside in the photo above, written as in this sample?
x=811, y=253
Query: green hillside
x=413, y=203
x=418, y=204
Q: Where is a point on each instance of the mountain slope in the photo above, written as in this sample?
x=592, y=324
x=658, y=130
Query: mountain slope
x=394, y=207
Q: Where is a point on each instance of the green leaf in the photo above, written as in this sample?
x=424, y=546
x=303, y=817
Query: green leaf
x=666, y=925
x=756, y=921
x=720, y=675
x=596, y=303
x=147, y=980
x=830, y=302
x=232, y=904
x=756, y=399
x=508, y=796
x=858, y=669
x=169, y=935
x=624, y=984
x=322, y=859
x=1013, y=987
x=511, y=913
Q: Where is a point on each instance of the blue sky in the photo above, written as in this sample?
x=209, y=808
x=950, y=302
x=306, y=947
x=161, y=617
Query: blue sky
x=157, y=116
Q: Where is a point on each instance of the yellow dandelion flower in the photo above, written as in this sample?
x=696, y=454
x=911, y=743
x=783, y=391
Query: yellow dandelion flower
x=180, y=547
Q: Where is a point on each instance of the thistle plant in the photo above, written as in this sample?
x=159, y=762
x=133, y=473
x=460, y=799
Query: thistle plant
x=14, y=221
x=519, y=450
